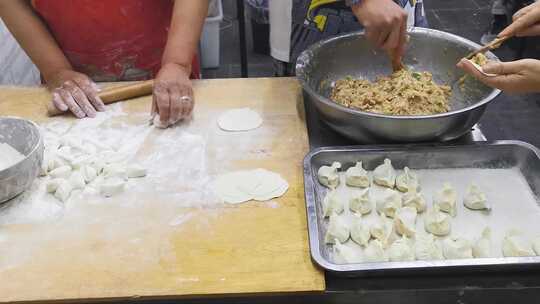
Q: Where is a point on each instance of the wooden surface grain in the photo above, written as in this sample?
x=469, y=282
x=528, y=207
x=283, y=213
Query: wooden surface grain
x=223, y=249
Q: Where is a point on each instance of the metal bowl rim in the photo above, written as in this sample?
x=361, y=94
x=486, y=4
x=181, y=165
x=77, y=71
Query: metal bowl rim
x=34, y=148
x=301, y=77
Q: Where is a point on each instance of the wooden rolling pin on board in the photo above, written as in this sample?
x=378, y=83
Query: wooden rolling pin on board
x=115, y=94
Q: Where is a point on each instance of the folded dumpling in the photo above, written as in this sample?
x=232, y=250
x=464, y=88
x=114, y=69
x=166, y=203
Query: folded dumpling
x=337, y=230
x=475, y=199
x=457, y=248
x=332, y=203
x=405, y=221
x=356, y=176
x=360, y=232
x=437, y=222
x=407, y=180
x=382, y=229
x=427, y=248
x=415, y=199
x=515, y=244
x=360, y=201
x=401, y=250
x=329, y=176
x=388, y=202
x=385, y=174
x=374, y=252
x=482, y=247
x=446, y=199
x=344, y=254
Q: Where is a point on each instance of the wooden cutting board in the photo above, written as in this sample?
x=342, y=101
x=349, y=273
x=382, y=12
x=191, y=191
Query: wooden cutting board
x=218, y=249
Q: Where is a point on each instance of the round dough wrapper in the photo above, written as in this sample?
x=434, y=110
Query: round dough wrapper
x=243, y=119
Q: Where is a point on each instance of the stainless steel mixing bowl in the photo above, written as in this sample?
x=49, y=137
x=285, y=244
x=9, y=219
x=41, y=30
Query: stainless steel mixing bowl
x=25, y=137
x=322, y=64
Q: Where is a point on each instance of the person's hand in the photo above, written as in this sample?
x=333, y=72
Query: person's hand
x=173, y=94
x=75, y=92
x=521, y=76
x=526, y=22
x=385, y=24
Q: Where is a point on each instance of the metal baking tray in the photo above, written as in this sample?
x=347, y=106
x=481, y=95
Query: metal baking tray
x=493, y=155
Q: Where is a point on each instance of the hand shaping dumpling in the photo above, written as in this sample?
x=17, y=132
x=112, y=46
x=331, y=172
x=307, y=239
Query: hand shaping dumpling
x=405, y=221
x=536, y=245
x=337, y=230
x=389, y=202
x=360, y=233
x=329, y=176
x=414, y=199
x=382, y=230
x=427, y=248
x=401, y=250
x=356, y=176
x=475, y=199
x=385, y=175
x=482, y=247
x=515, y=244
x=345, y=255
x=446, y=199
x=332, y=203
x=407, y=181
x=437, y=222
x=457, y=248
x=360, y=202
x=374, y=252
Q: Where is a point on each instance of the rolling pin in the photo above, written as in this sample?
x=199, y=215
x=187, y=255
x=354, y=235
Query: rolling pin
x=114, y=94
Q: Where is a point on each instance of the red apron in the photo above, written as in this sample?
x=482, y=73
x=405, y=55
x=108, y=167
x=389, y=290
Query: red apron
x=111, y=40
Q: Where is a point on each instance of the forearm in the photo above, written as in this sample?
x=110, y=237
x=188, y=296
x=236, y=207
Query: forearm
x=33, y=36
x=184, y=33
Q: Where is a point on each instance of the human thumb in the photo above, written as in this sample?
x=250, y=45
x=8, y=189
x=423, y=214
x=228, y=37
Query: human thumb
x=502, y=68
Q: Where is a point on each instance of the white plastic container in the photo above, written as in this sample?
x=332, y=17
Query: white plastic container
x=210, y=36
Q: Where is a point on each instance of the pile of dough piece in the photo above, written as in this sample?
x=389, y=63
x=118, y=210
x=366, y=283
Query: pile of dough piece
x=399, y=201
x=70, y=163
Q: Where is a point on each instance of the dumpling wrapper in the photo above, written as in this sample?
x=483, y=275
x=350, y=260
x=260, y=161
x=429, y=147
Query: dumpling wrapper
x=243, y=119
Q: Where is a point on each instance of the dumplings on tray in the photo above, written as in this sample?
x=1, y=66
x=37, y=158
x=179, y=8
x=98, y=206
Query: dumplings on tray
x=329, y=176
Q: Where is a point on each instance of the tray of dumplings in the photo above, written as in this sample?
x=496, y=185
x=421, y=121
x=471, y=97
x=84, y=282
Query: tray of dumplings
x=375, y=209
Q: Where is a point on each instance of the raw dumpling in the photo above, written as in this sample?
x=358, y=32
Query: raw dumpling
x=482, y=247
x=389, y=202
x=135, y=171
x=475, y=199
x=427, y=248
x=405, y=221
x=401, y=250
x=53, y=184
x=329, y=176
x=382, y=230
x=112, y=186
x=332, y=203
x=356, y=176
x=89, y=173
x=360, y=233
x=446, y=199
x=407, y=181
x=536, y=245
x=115, y=170
x=515, y=244
x=457, y=248
x=344, y=254
x=414, y=199
x=63, y=191
x=61, y=172
x=385, y=175
x=360, y=201
x=77, y=180
x=437, y=222
x=337, y=230
x=374, y=252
